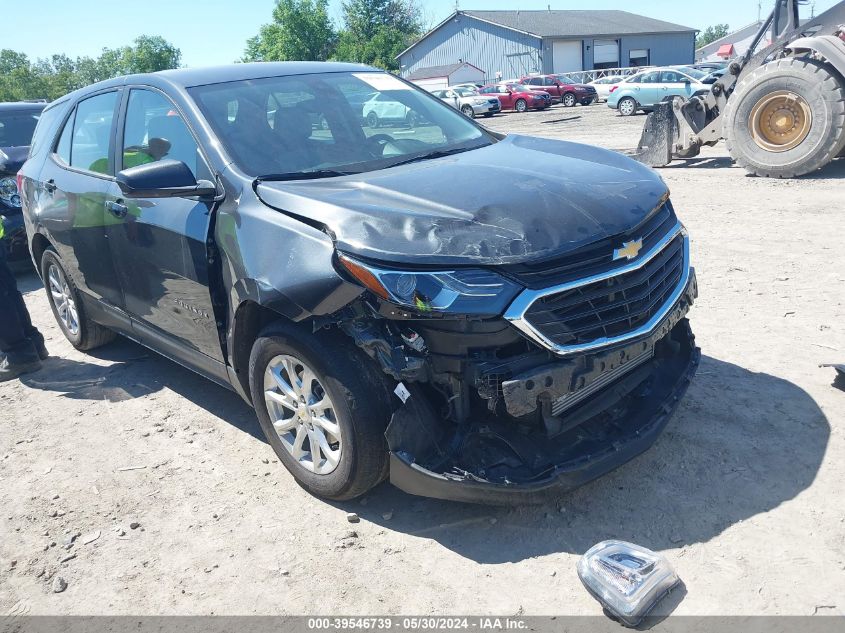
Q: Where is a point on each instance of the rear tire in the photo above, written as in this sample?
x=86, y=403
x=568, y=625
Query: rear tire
x=68, y=309
x=807, y=98
x=360, y=404
x=372, y=120
x=627, y=106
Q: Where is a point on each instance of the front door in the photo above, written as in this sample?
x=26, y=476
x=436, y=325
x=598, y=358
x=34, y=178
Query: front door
x=159, y=244
x=72, y=193
x=673, y=83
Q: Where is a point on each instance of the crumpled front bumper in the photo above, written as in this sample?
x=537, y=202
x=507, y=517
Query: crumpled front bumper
x=642, y=426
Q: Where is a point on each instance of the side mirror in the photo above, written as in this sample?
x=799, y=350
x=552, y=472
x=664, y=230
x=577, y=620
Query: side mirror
x=163, y=179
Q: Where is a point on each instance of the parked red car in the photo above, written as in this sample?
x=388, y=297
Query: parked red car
x=562, y=89
x=517, y=97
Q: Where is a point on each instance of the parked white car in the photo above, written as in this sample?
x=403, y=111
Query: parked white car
x=469, y=101
x=381, y=109
x=604, y=84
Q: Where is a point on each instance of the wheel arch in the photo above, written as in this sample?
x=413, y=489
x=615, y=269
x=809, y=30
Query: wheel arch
x=828, y=46
x=254, y=306
x=37, y=245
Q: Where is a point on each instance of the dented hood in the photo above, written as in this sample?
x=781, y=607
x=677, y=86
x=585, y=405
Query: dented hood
x=520, y=199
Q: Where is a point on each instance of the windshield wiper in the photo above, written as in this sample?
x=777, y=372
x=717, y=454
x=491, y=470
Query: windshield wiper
x=439, y=153
x=304, y=175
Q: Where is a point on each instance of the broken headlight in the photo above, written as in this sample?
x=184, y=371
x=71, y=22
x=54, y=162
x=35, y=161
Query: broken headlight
x=460, y=291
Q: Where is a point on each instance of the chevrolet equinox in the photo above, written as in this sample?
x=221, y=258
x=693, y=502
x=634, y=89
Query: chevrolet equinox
x=476, y=316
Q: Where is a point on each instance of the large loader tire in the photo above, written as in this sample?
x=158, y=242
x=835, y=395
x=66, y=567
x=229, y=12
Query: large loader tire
x=786, y=119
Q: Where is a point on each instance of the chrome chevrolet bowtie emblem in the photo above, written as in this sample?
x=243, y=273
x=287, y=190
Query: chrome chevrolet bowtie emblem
x=629, y=250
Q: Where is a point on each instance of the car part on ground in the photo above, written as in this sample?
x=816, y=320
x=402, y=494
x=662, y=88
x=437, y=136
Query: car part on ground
x=839, y=381
x=628, y=580
x=781, y=109
x=487, y=343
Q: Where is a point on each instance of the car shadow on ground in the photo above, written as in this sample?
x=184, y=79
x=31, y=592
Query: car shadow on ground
x=741, y=444
x=133, y=372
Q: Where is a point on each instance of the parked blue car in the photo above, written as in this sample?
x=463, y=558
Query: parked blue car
x=643, y=90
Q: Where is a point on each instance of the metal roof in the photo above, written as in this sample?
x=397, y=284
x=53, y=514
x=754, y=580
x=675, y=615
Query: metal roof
x=577, y=23
x=431, y=72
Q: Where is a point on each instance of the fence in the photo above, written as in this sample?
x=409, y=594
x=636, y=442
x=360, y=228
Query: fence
x=586, y=76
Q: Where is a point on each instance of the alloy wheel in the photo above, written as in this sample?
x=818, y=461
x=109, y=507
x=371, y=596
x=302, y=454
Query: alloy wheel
x=569, y=100
x=302, y=414
x=627, y=107
x=62, y=298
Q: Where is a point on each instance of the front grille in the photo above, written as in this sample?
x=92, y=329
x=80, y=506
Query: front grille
x=593, y=258
x=611, y=307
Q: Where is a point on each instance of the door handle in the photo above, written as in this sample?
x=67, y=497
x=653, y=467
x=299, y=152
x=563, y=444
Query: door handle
x=117, y=209
x=50, y=186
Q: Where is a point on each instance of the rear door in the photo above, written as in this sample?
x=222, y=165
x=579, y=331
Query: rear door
x=649, y=90
x=159, y=244
x=72, y=191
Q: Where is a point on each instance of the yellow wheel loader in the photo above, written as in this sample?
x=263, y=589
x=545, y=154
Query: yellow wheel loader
x=781, y=109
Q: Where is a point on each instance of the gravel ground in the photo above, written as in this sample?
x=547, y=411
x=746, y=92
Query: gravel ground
x=180, y=507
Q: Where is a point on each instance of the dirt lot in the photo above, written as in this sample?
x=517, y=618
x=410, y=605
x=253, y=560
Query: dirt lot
x=743, y=492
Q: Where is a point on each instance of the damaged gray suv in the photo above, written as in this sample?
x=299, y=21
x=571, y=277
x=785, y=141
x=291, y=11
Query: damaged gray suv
x=475, y=316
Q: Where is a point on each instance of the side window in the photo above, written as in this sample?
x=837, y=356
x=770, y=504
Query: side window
x=636, y=79
x=89, y=148
x=548, y=81
x=670, y=77
x=63, y=146
x=503, y=90
x=154, y=131
x=651, y=78
x=535, y=81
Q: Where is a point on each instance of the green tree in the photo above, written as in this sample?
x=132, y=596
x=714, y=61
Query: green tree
x=376, y=31
x=51, y=78
x=150, y=54
x=711, y=34
x=300, y=30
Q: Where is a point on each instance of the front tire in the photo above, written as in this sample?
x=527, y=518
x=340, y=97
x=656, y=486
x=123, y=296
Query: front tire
x=627, y=106
x=520, y=106
x=569, y=100
x=468, y=111
x=311, y=391
x=68, y=309
x=786, y=119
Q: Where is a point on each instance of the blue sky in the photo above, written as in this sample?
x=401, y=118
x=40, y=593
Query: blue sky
x=214, y=31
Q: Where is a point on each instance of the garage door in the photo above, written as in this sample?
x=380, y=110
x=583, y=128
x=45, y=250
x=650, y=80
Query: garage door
x=606, y=53
x=433, y=83
x=567, y=56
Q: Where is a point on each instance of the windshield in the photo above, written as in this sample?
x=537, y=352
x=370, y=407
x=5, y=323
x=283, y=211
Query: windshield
x=331, y=123
x=467, y=92
x=16, y=128
x=692, y=72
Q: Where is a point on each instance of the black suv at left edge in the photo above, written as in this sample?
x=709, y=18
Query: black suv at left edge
x=479, y=317
x=17, y=123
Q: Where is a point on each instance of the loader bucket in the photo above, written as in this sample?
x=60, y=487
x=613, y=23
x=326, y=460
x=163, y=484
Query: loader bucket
x=659, y=136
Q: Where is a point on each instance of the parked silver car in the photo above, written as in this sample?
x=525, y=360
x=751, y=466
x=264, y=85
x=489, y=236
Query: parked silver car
x=469, y=101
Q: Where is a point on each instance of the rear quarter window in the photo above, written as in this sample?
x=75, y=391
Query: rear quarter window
x=45, y=131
